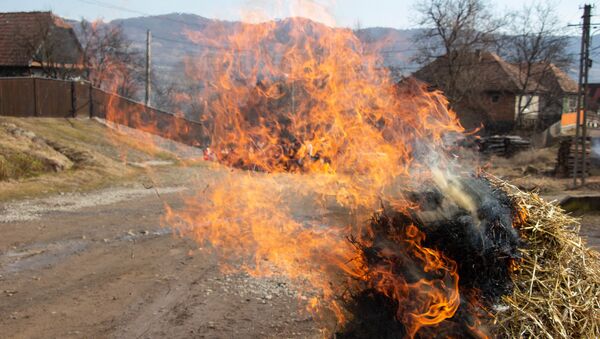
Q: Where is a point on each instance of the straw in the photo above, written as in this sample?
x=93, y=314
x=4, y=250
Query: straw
x=557, y=282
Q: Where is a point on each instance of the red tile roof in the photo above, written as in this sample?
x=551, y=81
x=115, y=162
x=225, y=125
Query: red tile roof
x=21, y=33
x=487, y=70
x=554, y=77
x=496, y=74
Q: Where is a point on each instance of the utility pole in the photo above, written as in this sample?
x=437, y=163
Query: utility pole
x=584, y=65
x=588, y=65
x=148, y=64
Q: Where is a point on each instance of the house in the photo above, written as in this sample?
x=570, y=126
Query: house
x=38, y=44
x=484, y=89
x=558, y=92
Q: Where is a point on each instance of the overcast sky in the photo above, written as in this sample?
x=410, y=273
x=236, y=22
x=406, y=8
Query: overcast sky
x=345, y=13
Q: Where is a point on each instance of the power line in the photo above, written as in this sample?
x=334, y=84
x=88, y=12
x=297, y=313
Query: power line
x=111, y=6
x=230, y=49
x=125, y=9
x=189, y=43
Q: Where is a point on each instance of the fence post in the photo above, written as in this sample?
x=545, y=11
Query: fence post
x=73, y=100
x=91, y=101
x=35, y=101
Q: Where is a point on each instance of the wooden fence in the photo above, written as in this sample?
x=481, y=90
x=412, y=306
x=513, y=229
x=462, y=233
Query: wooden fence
x=38, y=97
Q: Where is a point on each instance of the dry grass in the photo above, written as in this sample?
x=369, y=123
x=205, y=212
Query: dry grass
x=530, y=170
x=542, y=159
x=557, y=283
x=19, y=165
x=100, y=157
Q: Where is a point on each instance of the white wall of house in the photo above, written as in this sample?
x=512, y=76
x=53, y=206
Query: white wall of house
x=528, y=107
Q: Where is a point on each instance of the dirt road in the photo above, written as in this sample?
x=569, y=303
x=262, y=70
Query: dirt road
x=96, y=265
x=108, y=269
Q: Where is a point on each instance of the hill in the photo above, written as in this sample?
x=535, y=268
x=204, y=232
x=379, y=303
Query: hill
x=171, y=43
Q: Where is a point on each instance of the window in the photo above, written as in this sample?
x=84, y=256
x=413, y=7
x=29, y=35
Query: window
x=495, y=98
x=527, y=107
x=526, y=103
x=570, y=104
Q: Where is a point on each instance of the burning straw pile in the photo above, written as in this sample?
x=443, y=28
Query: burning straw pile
x=545, y=284
x=452, y=255
x=557, y=282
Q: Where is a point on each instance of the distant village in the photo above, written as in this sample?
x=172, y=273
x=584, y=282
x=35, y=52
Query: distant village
x=485, y=90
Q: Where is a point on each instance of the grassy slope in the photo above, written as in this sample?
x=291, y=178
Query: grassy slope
x=100, y=157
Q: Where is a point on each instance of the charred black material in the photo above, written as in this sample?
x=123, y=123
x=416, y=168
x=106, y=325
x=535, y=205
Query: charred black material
x=375, y=317
x=482, y=245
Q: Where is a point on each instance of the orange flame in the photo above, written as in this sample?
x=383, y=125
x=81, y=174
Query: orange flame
x=330, y=130
x=425, y=302
x=300, y=97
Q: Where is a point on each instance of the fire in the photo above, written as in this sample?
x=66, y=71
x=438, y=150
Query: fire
x=303, y=98
x=316, y=124
x=426, y=301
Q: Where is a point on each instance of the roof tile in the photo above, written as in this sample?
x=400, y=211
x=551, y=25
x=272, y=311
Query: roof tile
x=21, y=33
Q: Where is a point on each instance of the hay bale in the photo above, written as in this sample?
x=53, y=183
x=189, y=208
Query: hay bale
x=557, y=282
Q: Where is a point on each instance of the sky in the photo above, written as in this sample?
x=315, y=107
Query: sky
x=344, y=13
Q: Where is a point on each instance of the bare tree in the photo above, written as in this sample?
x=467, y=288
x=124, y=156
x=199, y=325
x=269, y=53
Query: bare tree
x=536, y=45
x=112, y=62
x=164, y=94
x=456, y=30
